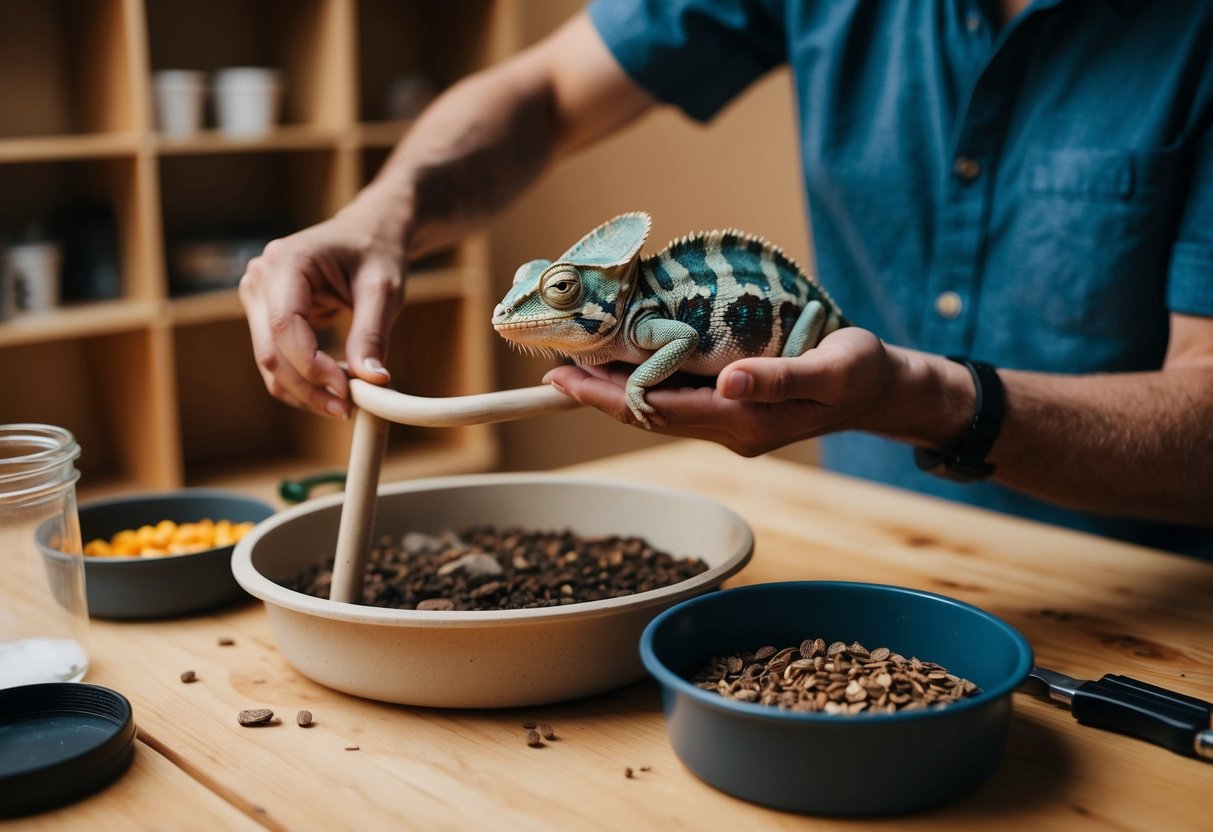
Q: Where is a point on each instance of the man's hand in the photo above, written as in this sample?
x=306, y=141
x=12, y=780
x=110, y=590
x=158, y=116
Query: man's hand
x=759, y=404
x=298, y=285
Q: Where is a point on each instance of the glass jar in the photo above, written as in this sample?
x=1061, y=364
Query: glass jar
x=43, y=606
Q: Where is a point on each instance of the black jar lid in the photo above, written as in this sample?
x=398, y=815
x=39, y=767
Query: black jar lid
x=59, y=742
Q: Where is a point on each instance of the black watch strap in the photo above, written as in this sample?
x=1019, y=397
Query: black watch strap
x=966, y=461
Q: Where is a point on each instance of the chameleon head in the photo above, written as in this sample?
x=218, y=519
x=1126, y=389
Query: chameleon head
x=572, y=307
x=562, y=309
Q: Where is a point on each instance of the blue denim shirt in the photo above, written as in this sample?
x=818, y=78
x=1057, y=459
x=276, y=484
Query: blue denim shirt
x=1037, y=195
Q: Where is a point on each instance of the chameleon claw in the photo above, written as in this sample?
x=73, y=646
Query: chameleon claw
x=641, y=410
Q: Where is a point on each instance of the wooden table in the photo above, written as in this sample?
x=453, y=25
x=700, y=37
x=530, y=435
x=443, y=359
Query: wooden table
x=1089, y=606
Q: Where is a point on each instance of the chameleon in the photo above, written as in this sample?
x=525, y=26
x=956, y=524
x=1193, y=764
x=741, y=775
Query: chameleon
x=700, y=303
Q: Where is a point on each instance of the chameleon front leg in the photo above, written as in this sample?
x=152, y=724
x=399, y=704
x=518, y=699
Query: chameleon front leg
x=673, y=342
x=806, y=332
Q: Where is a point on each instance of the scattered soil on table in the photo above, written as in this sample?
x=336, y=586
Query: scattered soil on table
x=486, y=568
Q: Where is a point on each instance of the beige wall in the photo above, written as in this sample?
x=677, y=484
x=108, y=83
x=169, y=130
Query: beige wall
x=741, y=170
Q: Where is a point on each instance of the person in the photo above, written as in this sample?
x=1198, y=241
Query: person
x=1026, y=187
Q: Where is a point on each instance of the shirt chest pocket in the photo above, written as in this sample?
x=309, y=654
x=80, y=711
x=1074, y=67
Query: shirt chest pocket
x=1092, y=234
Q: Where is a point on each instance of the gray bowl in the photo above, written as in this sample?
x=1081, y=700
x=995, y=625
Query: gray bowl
x=863, y=764
x=162, y=587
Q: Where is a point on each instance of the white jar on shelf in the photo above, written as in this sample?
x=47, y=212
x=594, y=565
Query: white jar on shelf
x=32, y=275
x=180, y=97
x=247, y=100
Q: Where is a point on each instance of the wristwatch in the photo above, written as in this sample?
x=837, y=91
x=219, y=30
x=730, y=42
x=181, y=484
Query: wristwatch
x=966, y=461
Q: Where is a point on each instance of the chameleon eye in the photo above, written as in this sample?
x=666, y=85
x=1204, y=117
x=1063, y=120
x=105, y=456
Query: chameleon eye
x=562, y=288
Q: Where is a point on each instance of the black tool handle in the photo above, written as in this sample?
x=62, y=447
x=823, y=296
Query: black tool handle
x=1161, y=716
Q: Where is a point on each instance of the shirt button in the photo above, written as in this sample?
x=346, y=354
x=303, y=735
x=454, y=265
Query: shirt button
x=966, y=168
x=948, y=304
x=973, y=22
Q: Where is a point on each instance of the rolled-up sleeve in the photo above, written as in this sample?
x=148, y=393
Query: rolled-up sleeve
x=693, y=54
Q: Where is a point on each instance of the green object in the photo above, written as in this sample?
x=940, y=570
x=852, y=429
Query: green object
x=699, y=304
x=296, y=491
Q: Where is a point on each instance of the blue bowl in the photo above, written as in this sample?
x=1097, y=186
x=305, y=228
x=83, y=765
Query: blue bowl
x=859, y=765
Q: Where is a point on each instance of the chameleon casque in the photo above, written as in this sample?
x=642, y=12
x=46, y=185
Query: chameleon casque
x=697, y=305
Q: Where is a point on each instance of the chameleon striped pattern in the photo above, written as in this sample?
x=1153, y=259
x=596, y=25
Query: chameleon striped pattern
x=741, y=294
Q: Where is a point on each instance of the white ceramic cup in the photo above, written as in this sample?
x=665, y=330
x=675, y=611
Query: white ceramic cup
x=247, y=100
x=180, y=95
x=33, y=272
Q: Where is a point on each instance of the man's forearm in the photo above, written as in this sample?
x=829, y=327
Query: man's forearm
x=479, y=145
x=1137, y=444
x=491, y=135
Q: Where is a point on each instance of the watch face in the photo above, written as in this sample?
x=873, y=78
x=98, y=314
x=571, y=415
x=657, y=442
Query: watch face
x=928, y=460
x=956, y=469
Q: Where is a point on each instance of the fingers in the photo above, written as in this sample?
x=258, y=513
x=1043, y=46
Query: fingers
x=827, y=373
x=277, y=301
x=597, y=387
x=683, y=408
x=689, y=412
x=378, y=293
x=756, y=404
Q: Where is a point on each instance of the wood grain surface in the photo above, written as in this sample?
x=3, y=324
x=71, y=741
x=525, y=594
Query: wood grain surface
x=1088, y=606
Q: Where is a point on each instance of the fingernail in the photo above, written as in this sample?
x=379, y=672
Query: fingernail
x=335, y=408
x=558, y=387
x=737, y=384
x=374, y=365
x=332, y=392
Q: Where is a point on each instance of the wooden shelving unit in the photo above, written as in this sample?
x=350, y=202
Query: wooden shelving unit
x=160, y=387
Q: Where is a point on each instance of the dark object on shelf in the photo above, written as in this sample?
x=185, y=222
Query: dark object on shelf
x=60, y=742
x=88, y=232
x=205, y=265
x=408, y=96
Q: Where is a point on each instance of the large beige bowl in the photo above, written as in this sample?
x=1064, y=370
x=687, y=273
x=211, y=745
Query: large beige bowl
x=484, y=659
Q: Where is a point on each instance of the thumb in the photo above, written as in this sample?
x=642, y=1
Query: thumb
x=762, y=380
x=377, y=293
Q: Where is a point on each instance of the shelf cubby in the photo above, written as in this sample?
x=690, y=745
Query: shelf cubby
x=67, y=68
x=396, y=44
x=224, y=413
x=158, y=381
x=110, y=392
x=300, y=38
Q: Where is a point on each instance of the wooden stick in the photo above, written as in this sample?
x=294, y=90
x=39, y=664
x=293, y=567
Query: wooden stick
x=377, y=406
x=358, y=510
x=451, y=411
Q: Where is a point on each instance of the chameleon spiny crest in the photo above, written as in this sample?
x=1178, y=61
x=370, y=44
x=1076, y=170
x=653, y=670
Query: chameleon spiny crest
x=697, y=305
